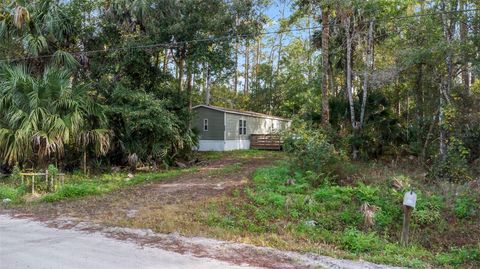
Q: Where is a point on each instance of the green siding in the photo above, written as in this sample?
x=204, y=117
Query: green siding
x=255, y=125
x=215, y=123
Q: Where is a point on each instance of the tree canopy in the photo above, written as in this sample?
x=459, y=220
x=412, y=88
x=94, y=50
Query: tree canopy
x=116, y=78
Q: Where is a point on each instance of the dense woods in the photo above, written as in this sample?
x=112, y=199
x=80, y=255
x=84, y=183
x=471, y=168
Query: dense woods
x=89, y=84
x=384, y=98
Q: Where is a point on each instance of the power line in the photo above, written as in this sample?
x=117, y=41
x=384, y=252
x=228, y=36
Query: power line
x=176, y=44
x=432, y=14
x=173, y=44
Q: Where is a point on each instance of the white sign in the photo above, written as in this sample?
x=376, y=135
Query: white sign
x=410, y=199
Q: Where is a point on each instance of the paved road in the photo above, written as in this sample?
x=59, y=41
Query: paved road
x=29, y=244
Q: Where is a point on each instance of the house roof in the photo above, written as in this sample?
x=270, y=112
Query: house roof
x=241, y=112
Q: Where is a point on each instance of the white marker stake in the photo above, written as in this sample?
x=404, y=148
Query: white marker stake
x=409, y=202
x=410, y=199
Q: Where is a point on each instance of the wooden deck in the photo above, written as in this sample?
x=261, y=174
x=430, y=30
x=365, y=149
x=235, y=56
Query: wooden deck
x=266, y=141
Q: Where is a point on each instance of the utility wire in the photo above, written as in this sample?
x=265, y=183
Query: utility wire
x=176, y=44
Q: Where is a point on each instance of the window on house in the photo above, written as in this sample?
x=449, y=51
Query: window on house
x=205, y=124
x=242, y=127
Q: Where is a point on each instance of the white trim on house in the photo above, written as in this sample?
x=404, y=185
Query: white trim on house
x=211, y=145
x=237, y=144
x=220, y=145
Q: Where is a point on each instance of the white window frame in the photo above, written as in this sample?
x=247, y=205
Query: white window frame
x=242, y=127
x=205, y=125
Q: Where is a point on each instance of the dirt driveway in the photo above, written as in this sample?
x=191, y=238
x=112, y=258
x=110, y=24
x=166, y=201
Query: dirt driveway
x=156, y=198
x=165, y=214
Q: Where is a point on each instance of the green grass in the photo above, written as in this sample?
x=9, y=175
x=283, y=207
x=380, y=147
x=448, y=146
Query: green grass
x=456, y=257
x=106, y=183
x=78, y=185
x=12, y=193
x=226, y=169
x=272, y=209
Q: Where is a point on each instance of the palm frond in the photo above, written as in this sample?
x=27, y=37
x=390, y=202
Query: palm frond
x=64, y=59
x=21, y=16
x=40, y=115
x=34, y=45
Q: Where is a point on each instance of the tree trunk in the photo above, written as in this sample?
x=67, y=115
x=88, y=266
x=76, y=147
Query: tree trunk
x=348, y=78
x=441, y=123
x=476, y=32
x=332, y=87
x=181, y=64
x=325, y=67
x=207, y=85
x=368, y=68
x=463, y=38
x=427, y=139
x=419, y=93
x=446, y=83
x=165, y=62
x=235, y=79
x=257, y=60
x=189, y=86
x=247, y=67
x=280, y=42
x=180, y=75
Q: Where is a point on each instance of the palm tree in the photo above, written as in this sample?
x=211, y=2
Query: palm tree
x=40, y=110
x=32, y=27
x=39, y=116
x=94, y=133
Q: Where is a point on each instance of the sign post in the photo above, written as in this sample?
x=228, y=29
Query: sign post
x=409, y=202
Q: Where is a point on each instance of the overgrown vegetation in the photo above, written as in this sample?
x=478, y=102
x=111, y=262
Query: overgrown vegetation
x=299, y=216
x=103, y=85
x=61, y=103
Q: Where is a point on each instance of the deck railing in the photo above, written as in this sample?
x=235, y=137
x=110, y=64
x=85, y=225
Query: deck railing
x=266, y=141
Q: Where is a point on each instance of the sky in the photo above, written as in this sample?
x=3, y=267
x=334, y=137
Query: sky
x=274, y=12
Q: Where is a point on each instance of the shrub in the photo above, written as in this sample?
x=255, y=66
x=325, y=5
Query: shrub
x=14, y=194
x=454, y=167
x=311, y=151
x=465, y=207
x=334, y=194
x=52, y=170
x=357, y=241
x=367, y=193
x=428, y=209
x=15, y=176
x=351, y=217
x=458, y=256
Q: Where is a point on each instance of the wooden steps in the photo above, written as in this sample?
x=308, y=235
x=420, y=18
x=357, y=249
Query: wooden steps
x=266, y=141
